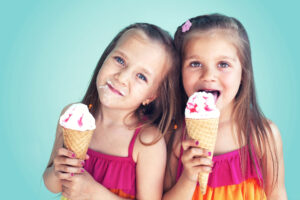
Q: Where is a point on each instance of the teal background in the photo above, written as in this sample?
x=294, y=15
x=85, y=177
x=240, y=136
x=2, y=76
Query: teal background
x=48, y=51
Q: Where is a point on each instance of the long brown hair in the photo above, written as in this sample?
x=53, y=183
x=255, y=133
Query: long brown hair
x=161, y=111
x=251, y=122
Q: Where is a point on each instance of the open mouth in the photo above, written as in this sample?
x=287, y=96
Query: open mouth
x=215, y=93
x=114, y=90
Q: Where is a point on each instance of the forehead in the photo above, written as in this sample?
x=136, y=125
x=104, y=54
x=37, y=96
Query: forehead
x=133, y=35
x=214, y=41
x=143, y=51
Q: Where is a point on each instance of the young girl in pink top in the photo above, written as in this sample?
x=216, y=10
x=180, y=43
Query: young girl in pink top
x=248, y=159
x=132, y=98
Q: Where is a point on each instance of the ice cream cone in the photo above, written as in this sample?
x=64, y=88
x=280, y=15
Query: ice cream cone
x=205, y=132
x=77, y=141
x=78, y=127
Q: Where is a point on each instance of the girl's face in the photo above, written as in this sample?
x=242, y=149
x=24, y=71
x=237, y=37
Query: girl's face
x=211, y=63
x=131, y=73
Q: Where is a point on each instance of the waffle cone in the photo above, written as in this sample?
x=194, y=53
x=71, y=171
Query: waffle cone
x=77, y=141
x=205, y=132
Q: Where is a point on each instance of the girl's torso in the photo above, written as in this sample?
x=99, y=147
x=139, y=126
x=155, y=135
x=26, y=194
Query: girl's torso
x=228, y=180
x=117, y=173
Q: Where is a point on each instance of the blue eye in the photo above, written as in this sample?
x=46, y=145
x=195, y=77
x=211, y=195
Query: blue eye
x=119, y=60
x=195, y=64
x=223, y=65
x=142, y=77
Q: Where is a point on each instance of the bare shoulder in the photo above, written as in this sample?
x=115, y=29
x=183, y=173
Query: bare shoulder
x=272, y=140
x=144, y=148
x=274, y=164
x=149, y=135
x=275, y=134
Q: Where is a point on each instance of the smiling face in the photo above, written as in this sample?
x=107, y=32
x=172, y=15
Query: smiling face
x=131, y=73
x=211, y=64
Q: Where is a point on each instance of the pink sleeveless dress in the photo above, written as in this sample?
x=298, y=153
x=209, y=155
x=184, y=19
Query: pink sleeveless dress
x=226, y=181
x=118, y=174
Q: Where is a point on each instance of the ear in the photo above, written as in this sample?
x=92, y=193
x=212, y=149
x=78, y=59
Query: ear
x=149, y=100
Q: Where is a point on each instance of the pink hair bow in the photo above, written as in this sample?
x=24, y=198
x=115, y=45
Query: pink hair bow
x=186, y=26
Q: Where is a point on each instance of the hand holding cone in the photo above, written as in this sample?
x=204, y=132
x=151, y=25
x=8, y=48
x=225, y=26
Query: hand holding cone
x=202, y=119
x=78, y=128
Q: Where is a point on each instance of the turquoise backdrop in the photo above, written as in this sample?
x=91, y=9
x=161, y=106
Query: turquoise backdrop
x=48, y=50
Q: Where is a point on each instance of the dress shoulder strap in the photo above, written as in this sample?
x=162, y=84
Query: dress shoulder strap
x=131, y=145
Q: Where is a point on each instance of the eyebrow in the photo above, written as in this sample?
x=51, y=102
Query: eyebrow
x=220, y=57
x=120, y=52
x=144, y=69
x=191, y=57
x=227, y=57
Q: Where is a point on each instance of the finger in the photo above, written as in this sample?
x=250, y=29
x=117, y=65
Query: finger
x=187, y=158
x=65, y=152
x=64, y=176
x=67, y=184
x=87, y=157
x=69, y=169
x=193, y=152
x=203, y=161
x=203, y=169
x=62, y=160
x=190, y=143
x=186, y=144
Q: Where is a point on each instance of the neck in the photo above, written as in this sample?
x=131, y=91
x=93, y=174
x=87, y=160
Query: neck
x=114, y=117
x=226, y=114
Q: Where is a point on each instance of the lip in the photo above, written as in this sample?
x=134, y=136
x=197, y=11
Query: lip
x=114, y=90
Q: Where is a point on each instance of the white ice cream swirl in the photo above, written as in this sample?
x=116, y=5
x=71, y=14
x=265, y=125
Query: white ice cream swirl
x=78, y=117
x=201, y=105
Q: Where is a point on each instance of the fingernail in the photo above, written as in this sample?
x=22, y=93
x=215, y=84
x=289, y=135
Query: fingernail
x=72, y=174
x=209, y=153
x=197, y=142
x=82, y=163
x=73, y=155
x=82, y=170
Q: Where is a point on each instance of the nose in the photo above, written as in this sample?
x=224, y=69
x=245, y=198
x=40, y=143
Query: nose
x=209, y=75
x=123, y=76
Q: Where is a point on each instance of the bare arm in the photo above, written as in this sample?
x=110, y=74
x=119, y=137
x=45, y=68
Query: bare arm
x=279, y=191
x=83, y=186
x=192, y=158
x=183, y=189
x=151, y=164
x=51, y=181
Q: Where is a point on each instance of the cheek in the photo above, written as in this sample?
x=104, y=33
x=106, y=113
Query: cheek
x=189, y=81
x=103, y=72
x=232, y=82
x=99, y=78
x=142, y=92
